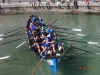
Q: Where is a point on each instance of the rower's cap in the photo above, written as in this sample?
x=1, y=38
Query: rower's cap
x=51, y=31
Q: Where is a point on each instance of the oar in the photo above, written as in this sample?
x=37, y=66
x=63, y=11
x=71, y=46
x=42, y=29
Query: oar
x=10, y=31
x=12, y=41
x=69, y=46
x=74, y=29
x=55, y=21
x=79, y=41
x=71, y=33
x=84, y=50
x=39, y=63
x=21, y=44
x=10, y=35
x=5, y=57
x=61, y=35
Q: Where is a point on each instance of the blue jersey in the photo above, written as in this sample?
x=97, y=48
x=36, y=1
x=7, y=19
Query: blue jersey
x=33, y=27
x=29, y=34
x=50, y=36
x=33, y=19
x=46, y=44
x=41, y=21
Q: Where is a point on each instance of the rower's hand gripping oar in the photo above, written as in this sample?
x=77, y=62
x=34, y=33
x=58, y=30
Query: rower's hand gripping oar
x=5, y=57
x=96, y=43
x=74, y=29
x=10, y=31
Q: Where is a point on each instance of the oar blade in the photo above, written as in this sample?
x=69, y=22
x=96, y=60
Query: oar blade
x=21, y=44
x=4, y=57
x=97, y=53
x=79, y=30
x=96, y=43
x=1, y=38
x=1, y=34
x=81, y=34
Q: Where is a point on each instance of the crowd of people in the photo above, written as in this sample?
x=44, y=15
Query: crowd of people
x=57, y=2
x=42, y=39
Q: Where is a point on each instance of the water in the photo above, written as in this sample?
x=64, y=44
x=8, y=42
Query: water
x=75, y=62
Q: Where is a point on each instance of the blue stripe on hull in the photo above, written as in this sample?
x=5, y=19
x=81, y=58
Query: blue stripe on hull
x=53, y=63
x=54, y=68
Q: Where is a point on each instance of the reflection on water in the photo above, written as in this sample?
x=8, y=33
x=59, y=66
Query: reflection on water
x=75, y=62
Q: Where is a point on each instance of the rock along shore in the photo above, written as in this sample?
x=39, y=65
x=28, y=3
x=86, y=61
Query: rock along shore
x=26, y=7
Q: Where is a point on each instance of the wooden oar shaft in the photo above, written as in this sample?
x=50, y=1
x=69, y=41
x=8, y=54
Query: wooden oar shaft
x=65, y=32
x=14, y=35
x=37, y=67
x=56, y=20
x=13, y=30
x=82, y=49
x=12, y=41
x=74, y=40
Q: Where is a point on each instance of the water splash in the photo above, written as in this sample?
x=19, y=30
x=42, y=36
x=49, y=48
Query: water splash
x=21, y=44
x=77, y=30
x=1, y=38
x=93, y=43
x=81, y=34
x=97, y=53
x=1, y=34
x=4, y=57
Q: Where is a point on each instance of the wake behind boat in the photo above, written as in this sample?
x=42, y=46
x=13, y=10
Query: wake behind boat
x=43, y=41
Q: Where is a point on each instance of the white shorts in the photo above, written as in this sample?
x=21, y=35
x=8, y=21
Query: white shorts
x=58, y=3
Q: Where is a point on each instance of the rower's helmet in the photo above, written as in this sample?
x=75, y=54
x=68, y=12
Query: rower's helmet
x=51, y=31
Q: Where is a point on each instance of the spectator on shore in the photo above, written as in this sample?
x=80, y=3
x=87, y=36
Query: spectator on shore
x=96, y=0
x=33, y=3
x=53, y=1
x=67, y=4
x=48, y=4
x=62, y=1
x=3, y=1
x=9, y=1
x=87, y=2
x=75, y=4
x=38, y=3
x=59, y=4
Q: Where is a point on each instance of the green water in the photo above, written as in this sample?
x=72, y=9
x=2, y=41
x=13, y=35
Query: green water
x=81, y=63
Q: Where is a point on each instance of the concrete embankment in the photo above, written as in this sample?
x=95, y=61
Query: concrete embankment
x=26, y=7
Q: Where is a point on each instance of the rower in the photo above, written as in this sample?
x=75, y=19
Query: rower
x=52, y=38
x=38, y=42
x=33, y=26
x=45, y=44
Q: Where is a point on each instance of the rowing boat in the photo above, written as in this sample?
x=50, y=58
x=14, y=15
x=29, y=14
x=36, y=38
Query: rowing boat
x=52, y=61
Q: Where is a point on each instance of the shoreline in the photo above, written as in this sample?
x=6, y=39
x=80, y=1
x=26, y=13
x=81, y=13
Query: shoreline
x=25, y=8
